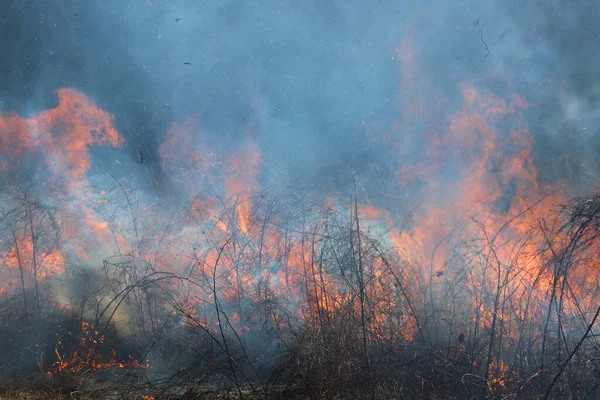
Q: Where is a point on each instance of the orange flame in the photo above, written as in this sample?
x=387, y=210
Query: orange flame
x=64, y=133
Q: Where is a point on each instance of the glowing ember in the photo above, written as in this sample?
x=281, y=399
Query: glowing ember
x=87, y=358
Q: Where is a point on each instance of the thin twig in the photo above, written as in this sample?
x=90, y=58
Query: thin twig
x=482, y=39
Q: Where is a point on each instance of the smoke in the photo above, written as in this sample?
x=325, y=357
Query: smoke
x=303, y=79
x=566, y=128
x=425, y=104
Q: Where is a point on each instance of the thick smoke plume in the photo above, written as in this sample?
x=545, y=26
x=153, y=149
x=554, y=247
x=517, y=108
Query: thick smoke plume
x=258, y=176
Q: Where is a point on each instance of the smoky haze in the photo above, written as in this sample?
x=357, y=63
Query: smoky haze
x=142, y=140
x=304, y=80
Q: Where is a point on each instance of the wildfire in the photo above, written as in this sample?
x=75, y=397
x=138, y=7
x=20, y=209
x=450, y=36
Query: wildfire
x=63, y=134
x=49, y=263
x=242, y=180
x=87, y=357
x=237, y=262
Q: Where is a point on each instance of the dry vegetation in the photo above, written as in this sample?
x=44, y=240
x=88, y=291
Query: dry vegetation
x=323, y=307
x=216, y=289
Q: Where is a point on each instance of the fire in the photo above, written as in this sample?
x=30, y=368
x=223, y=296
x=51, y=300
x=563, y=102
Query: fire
x=49, y=263
x=234, y=177
x=62, y=135
x=86, y=357
x=242, y=182
x=238, y=262
x=61, y=138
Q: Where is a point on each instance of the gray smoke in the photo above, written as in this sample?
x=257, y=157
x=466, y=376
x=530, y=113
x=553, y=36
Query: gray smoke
x=303, y=77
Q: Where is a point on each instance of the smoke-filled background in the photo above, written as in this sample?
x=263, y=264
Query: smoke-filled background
x=147, y=138
x=304, y=79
